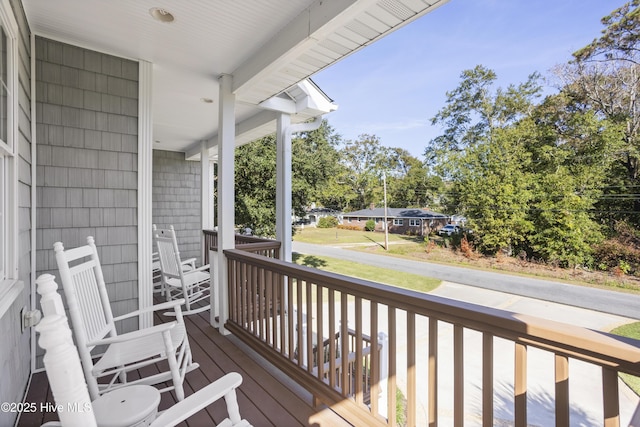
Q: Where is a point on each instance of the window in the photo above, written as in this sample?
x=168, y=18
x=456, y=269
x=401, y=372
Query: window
x=398, y=221
x=3, y=221
x=8, y=151
x=414, y=222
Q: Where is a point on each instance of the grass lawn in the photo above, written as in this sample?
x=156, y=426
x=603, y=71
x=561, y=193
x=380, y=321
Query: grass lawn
x=367, y=272
x=631, y=330
x=330, y=236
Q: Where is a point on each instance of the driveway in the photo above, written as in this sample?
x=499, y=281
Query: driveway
x=487, y=288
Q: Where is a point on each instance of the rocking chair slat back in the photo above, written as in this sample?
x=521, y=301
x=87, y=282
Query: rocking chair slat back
x=169, y=253
x=91, y=308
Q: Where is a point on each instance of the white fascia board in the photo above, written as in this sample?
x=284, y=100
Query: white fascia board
x=277, y=103
x=304, y=31
x=259, y=119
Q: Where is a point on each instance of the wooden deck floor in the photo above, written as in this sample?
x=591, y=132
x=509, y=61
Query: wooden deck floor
x=266, y=397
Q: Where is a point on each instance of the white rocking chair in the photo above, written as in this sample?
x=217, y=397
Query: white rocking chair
x=191, y=284
x=127, y=406
x=94, y=325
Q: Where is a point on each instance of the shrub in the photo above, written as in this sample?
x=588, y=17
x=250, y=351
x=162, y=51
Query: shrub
x=349, y=227
x=328, y=222
x=620, y=253
x=465, y=247
x=370, y=225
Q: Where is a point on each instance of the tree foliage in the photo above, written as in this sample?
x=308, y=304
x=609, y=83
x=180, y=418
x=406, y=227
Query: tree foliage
x=314, y=162
x=604, y=78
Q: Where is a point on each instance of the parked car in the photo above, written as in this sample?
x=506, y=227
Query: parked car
x=448, y=230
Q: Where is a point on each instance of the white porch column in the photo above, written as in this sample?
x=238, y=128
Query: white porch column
x=283, y=185
x=226, y=196
x=206, y=198
x=145, y=189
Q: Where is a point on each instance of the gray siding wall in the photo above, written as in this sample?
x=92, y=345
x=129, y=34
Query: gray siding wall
x=87, y=144
x=15, y=356
x=176, y=200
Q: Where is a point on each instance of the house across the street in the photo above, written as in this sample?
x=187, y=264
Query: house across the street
x=415, y=221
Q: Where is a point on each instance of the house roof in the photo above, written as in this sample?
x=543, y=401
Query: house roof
x=397, y=213
x=267, y=46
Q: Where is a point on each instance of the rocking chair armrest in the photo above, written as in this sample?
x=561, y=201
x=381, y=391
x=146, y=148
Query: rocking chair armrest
x=200, y=400
x=134, y=335
x=175, y=304
x=195, y=270
x=191, y=261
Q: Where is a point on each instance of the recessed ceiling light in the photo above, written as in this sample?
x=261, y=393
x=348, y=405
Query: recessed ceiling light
x=207, y=100
x=162, y=15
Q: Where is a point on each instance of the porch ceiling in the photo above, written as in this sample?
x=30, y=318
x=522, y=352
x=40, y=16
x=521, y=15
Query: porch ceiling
x=267, y=46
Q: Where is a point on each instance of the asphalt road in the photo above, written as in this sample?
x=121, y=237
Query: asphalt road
x=612, y=302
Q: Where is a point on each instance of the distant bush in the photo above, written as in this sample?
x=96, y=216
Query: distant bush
x=621, y=253
x=350, y=227
x=328, y=222
x=370, y=225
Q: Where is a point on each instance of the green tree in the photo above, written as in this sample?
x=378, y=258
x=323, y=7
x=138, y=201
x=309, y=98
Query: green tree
x=482, y=152
x=569, y=169
x=409, y=183
x=604, y=77
x=314, y=162
x=364, y=161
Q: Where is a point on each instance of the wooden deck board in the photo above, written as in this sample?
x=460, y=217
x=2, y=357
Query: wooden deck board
x=267, y=398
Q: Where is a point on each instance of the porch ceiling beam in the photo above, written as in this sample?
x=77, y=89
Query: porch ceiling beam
x=307, y=29
x=247, y=125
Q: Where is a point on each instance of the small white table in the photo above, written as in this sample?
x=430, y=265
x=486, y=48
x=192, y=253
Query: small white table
x=131, y=406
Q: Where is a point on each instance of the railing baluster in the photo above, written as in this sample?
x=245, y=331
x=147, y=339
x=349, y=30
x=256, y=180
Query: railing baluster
x=344, y=350
x=233, y=285
x=309, y=338
x=487, y=379
x=243, y=296
x=320, y=322
x=268, y=307
x=458, y=376
x=291, y=343
x=611, y=397
x=358, y=348
x=299, y=326
x=412, y=406
x=433, y=372
x=562, y=390
x=278, y=281
x=374, y=357
x=520, y=385
x=393, y=360
x=253, y=300
x=332, y=339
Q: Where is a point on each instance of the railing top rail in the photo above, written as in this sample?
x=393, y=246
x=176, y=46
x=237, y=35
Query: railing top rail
x=585, y=344
x=242, y=240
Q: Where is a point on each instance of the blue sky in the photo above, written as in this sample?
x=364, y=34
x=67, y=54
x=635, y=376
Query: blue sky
x=394, y=87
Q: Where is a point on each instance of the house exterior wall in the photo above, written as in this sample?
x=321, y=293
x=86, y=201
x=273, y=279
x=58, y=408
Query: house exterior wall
x=176, y=200
x=15, y=353
x=405, y=228
x=87, y=145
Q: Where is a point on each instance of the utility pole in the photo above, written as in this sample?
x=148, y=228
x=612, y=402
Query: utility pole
x=386, y=224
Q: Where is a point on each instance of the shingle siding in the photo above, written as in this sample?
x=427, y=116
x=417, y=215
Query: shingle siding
x=176, y=200
x=87, y=176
